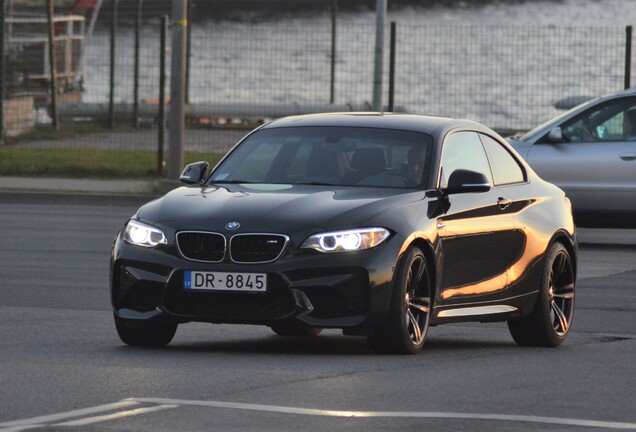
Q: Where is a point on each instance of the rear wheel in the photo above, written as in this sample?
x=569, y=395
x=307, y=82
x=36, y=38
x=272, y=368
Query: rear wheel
x=551, y=319
x=145, y=333
x=404, y=331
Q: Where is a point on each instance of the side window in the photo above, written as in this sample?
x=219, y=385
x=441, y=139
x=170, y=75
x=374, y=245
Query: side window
x=612, y=121
x=505, y=168
x=578, y=130
x=624, y=121
x=463, y=150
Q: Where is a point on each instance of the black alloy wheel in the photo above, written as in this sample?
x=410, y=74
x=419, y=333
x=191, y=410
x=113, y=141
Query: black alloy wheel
x=404, y=331
x=142, y=333
x=550, y=321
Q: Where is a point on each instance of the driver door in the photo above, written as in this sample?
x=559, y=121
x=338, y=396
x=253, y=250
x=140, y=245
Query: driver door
x=476, y=231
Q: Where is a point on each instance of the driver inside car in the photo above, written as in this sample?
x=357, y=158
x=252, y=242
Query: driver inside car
x=416, y=159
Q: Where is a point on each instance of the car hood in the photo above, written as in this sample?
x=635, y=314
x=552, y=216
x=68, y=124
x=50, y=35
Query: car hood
x=272, y=208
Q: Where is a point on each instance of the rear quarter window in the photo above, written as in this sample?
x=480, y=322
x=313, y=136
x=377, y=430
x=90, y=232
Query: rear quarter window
x=505, y=168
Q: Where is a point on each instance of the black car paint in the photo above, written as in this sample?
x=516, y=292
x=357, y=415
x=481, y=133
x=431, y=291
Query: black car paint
x=474, y=240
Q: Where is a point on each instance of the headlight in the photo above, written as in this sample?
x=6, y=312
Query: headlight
x=349, y=240
x=140, y=234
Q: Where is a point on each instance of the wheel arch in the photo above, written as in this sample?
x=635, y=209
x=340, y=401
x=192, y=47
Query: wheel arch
x=406, y=324
x=427, y=249
x=569, y=243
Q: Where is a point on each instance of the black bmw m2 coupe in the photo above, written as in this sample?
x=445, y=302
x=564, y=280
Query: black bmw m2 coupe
x=381, y=225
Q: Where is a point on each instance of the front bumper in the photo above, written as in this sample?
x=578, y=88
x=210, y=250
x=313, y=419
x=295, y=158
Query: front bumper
x=351, y=291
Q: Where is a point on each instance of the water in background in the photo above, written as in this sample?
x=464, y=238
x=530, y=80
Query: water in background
x=495, y=63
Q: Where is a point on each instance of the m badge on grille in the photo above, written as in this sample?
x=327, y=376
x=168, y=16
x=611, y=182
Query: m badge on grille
x=232, y=225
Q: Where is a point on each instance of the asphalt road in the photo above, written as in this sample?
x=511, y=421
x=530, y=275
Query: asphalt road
x=62, y=366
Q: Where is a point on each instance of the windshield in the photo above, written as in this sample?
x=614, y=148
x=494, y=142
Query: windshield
x=342, y=156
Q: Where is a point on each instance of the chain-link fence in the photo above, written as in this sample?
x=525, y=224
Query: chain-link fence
x=242, y=72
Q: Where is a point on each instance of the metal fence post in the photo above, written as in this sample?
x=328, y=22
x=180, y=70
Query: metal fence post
x=177, y=87
x=628, y=56
x=188, y=53
x=49, y=13
x=137, y=53
x=2, y=76
x=392, y=68
x=162, y=95
x=334, y=16
x=111, y=98
x=379, y=54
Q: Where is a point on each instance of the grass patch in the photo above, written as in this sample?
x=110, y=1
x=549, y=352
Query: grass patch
x=103, y=164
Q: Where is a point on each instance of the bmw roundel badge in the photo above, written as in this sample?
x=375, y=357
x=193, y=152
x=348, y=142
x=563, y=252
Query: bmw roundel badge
x=232, y=225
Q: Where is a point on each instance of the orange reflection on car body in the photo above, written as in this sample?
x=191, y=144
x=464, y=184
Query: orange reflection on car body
x=536, y=242
x=491, y=285
x=466, y=227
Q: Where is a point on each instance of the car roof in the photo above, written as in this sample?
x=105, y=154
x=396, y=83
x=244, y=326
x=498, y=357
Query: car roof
x=627, y=92
x=431, y=125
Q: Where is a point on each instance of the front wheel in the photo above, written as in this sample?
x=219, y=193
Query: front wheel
x=551, y=319
x=405, y=328
x=142, y=333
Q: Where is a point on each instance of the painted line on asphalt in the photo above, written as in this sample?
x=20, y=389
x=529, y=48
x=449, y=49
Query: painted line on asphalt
x=68, y=414
x=115, y=416
x=161, y=404
x=53, y=419
x=392, y=414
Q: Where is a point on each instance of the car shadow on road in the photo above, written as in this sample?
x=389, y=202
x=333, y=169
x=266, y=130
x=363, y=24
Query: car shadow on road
x=324, y=345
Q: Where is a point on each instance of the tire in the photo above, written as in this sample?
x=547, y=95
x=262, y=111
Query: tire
x=551, y=319
x=288, y=328
x=142, y=333
x=405, y=328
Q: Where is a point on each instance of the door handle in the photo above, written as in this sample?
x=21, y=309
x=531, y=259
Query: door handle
x=503, y=203
x=628, y=156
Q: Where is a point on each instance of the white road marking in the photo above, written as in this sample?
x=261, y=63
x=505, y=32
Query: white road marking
x=21, y=428
x=163, y=404
x=69, y=414
x=393, y=414
x=115, y=416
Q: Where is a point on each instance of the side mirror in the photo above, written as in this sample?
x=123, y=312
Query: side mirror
x=194, y=172
x=465, y=181
x=555, y=135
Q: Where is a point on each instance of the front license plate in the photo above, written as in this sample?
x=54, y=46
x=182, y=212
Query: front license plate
x=221, y=281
